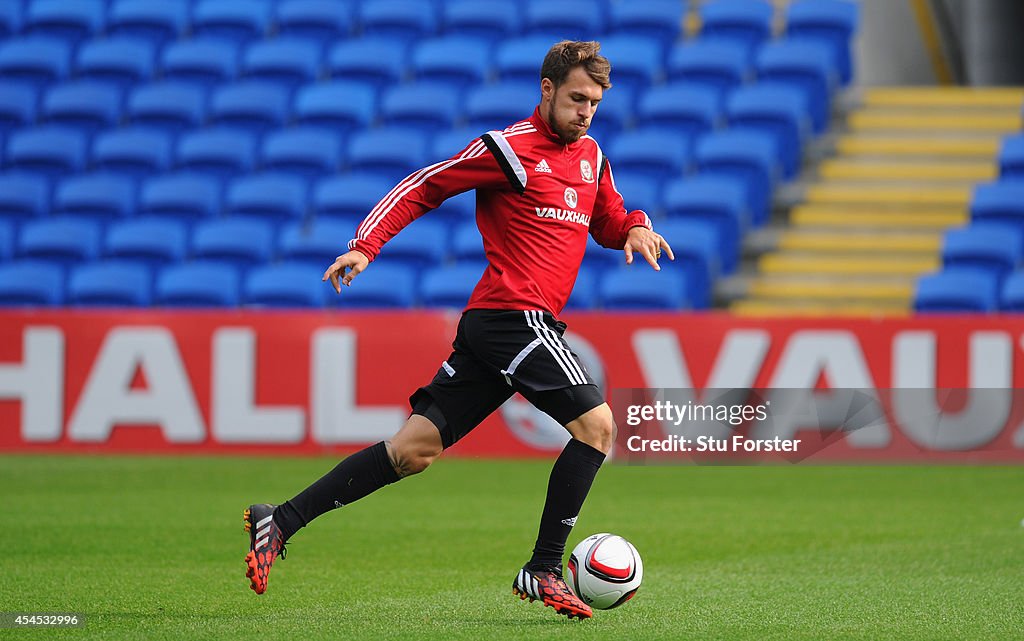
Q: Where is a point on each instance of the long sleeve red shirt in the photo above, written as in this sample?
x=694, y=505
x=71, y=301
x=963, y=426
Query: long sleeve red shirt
x=536, y=200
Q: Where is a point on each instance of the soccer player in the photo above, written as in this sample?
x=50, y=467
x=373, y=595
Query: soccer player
x=541, y=185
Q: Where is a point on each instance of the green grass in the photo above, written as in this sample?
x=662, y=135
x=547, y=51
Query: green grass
x=152, y=548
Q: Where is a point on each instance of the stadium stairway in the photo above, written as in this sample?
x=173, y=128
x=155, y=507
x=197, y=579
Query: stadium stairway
x=872, y=215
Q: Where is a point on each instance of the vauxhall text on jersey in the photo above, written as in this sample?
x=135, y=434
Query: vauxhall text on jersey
x=536, y=200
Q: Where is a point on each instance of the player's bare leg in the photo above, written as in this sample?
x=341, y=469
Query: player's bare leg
x=410, y=451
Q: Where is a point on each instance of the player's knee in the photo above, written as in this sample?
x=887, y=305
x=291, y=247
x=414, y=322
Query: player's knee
x=409, y=459
x=595, y=428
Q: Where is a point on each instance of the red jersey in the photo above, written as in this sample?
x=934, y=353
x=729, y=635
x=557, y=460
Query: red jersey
x=536, y=200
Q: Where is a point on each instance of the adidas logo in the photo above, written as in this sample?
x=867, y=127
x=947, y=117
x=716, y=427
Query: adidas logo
x=570, y=522
x=542, y=167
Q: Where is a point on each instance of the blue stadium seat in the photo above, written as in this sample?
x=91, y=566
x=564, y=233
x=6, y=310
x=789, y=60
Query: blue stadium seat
x=779, y=110
x=239, y=22
x=308, y=152
x=1001, y=201
x=253, y=105
x=23, y=196
x=121, y=60
x=695, y=246
x=519, y=59
x=447, y=144
x=402, y=20
x=35, y=60
x=423, y=244
x=806, y=65
x=1012, y=294
x=157, y=22
x=63, y=241
x=239, y=242
x=391, y=151
x=427, y=106
x=208, y=62
x=350, y=196
x=7, y=236
x=1011, y=158
x=32, y=283
x=285, y=285
x=455, y=61
x=288, y=62
x=17, y=106
x=109, y=284
x=639, y=191
x=69, y=21
x=271, y=196
x=956, y=290
x=748, y=155
x=719, y=200
x=565, y=20
x=832, y=21
x=135, y=151
x=224, y=152
x=450, y=286
x=317, y=244
x=497, y=106
x=153, y=242
x=188, y=197
x=381, y=286
x=597, y=257
x=491, y=22
x=718, y=63
x=101, y=197
x=457, y=209
x=640, y=287
x=85, y=105
x=685, y=108
x=197, y=284
x=10, y=19
x=319, y=21
x=657, y=151
x=584, y=291
x=993, y=248
x=338, y=105
x=467, y=244
x=746, y=21
x=637, y=62
x=658, y=20
x=616, y=113
x=376, y=61
x=50, y=149
x=171, y=106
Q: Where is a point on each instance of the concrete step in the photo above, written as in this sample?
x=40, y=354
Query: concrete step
x=950, y=122
x=1008, y=98
x=886, y=196
x=984, y=146
x=851, y=265
x=919, y=171
x=882, y=220
x=798, y=240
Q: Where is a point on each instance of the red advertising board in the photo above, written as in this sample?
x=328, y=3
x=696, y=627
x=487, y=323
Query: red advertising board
x=310, y=382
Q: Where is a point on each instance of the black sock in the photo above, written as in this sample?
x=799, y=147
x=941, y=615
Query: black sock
x=362, y=473
x=571, y=478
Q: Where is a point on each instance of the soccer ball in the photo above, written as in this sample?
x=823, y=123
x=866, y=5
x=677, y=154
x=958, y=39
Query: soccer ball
x=605, y=571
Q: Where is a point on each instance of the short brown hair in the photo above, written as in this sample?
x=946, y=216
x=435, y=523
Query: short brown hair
x=565, y=55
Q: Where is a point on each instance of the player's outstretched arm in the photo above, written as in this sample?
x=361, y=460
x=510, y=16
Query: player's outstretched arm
x=648, y=244
x=345, y=268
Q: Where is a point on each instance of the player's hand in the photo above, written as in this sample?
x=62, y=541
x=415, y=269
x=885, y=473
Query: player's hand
x=345, y=268
x=648, y=244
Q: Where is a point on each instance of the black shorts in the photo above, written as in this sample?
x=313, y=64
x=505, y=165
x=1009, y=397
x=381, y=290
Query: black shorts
x=500, y=352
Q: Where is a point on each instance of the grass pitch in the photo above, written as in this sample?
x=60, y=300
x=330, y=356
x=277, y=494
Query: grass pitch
x=152, y=548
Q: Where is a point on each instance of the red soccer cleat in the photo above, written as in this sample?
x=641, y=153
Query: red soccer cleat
x=265, y=544
x=549, y=587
